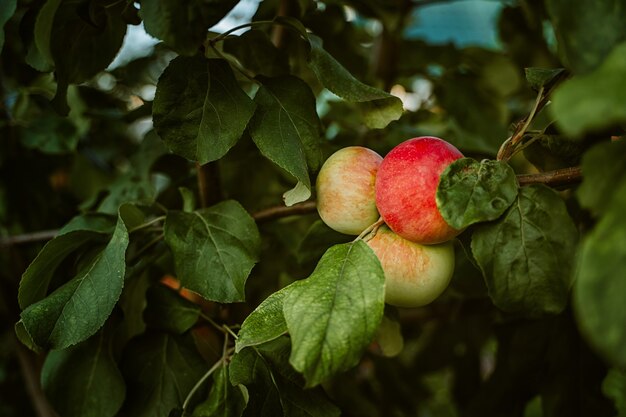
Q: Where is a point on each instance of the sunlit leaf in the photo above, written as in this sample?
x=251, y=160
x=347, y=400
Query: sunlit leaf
x=334, y=314
x=470, y=192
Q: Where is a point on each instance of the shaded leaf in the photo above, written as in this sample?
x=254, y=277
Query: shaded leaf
x=37, y=277
x=286, y=129
x=470, y=192
x=604, y=169
x=379, y=108
x=7, y=8
x=51, y=134
x=225, y=400
x=614, y=387
x=587, y=31
x=183, y=27
x=214, y=249
x=84, y=380
x=160, y=370
x=77, y=309
x=543, y=77
x=39, y=55
x=273, y=385
x=200, y=111
x=526, y=255
x=593, y=101
x=257, y=53
x=80, y=45
x=317, y=240
x=333, y=315
x=600, y=286
x=168, y=310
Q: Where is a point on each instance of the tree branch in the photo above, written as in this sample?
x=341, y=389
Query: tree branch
x=556, y=178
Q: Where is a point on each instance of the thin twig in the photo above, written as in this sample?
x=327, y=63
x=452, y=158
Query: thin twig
x=40, y=236
x=278, y=212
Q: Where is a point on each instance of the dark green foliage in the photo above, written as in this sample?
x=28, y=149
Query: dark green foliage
x=164, y=265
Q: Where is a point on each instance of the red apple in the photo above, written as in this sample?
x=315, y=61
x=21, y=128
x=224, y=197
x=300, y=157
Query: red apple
x=345, y=189
x=406, y=185
x=415, y=274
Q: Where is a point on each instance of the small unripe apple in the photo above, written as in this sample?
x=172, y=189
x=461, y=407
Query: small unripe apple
x=345, y=189
x=406, y=186
x=415, y=274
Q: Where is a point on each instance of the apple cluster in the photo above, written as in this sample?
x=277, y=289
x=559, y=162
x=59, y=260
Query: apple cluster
x=356, y=187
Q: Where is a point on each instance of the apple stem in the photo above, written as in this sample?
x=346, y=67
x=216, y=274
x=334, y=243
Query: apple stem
x=370, y=230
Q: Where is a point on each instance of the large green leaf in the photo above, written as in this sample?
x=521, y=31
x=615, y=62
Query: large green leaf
x=199, y=109
x=274, y=388
x=183, y=26
x=77, y=309
x=379, y=107
x=587, y=30
x=168, y=310
x=470, y=191
x=593, y=101
x=37, y=277
x=84, y=380
x=286, y=129
x=333, y=315
x=600, y=286
x=160, y=370
x=225, y=400
x=85, y=37
x=7, y=8
x=600, y=163
x=526, y=256
x=51, y=134
x=214, y=249
x=39, y=55
x=265, y=323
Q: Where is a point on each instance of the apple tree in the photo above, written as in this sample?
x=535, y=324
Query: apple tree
x=161, y=246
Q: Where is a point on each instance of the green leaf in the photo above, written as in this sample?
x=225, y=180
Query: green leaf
x=593, y=101
x=160, y=370
x=333, y=315
x=83, y=44
x=543, y=77
x=183, y=27
x=257, y=53
x=214, y=249
x=77, y=309
x=265, y=323
x=286, y=129
x=614, y=387
x=39, y=55
x=52, y=135
x=168, y=310
x=526, y=256
x=599, y=289
x=378, y=107
x=96, y=222
x=225, y=400
x=37, y=277
x=199, y=109
x=84, y=380
x=471, y=192
x=7, y=8
x=587, y=31
x=274, y=387
x=604, y=169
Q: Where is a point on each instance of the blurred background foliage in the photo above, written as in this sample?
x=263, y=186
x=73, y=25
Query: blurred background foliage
x=458, y=67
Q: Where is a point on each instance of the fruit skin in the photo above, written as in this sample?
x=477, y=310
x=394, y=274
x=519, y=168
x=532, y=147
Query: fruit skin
x=415, y=274
x=406, y=186
x=345, y=189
